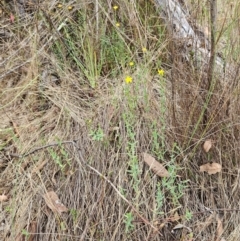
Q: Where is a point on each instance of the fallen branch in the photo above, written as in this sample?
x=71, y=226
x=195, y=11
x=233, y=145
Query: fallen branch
x=40, y=148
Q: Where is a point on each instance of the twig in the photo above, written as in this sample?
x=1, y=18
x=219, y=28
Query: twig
x=40, y=148
x=210, y=82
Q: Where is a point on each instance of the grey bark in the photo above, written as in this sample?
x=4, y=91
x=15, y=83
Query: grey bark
x=178, y=22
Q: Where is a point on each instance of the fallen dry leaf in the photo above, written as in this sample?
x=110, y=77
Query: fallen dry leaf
x=158, y=225
x=219, y=231
x=207, y=145
x=12, y=18
x=175, y=217
x=178, y=226
x=155, y=166
x=161, y=226
x=39, y=166
x=211, y=168
x=32, y=233
x=3, y=198
x=54, y=203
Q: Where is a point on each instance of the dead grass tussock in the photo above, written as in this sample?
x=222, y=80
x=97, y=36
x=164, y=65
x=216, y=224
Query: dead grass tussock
x=46, y=97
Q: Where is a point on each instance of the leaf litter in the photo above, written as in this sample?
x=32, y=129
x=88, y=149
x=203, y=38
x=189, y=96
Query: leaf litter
x=207, y=145
x=155, y=166
x=54, y=203
x=3, y=198
x=211, y=168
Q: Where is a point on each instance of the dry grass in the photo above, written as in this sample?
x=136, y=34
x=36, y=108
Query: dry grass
x=62, y=81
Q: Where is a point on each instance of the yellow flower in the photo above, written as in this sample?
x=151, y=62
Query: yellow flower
x=131, y=63
x=115, y=7
x=60, y=5
x=128, y=79
x=161, y=72
x=70, y=8
x=117, y=24
x=144, y=50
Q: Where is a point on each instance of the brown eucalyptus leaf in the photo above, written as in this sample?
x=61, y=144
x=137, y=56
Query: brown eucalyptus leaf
x=219, y=229
x=155, y=166
x=175, y=217
x=54, y=203
x=207, y=145
x=32, y=233
x=179, y=226
x=3, y=198
x=211, y=168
